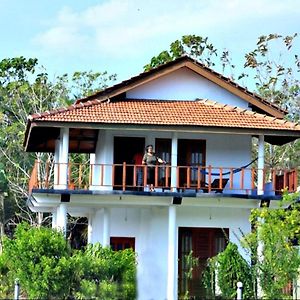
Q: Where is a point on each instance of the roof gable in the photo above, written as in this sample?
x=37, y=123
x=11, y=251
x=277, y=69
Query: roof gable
x=198, y=68
x=185, y=84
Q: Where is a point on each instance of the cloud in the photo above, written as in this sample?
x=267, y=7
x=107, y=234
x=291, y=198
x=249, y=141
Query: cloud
x=118, y=28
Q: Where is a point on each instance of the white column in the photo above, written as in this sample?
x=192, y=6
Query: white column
x=103, y=156
x=63, y=158
x=56, y=160
x=54, y=218
x=171, y=293
x=260, y=165
x=90, y=228
x=106, y=227
x=62, y=218
x=174, y=151
x=97, y=224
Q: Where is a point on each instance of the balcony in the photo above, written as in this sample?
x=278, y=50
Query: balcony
x=125, y=177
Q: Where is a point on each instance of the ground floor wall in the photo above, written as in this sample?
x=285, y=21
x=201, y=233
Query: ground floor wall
x=149, y=227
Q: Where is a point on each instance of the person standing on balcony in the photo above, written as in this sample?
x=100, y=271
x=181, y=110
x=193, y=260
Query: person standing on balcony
x=138, y=161
x=151, y=160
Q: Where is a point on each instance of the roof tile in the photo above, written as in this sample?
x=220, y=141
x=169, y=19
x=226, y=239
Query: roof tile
x=164, y=112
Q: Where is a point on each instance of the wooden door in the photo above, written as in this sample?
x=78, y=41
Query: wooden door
x=204, y=243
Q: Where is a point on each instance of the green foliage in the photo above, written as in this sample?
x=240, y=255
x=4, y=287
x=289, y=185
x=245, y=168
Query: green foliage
x=275, y=231
x=190, y=263
x=39, y=257
x=193, y=45
x=275, y=261
x=232, y=268
x=47, y=269
x=84, y=84
x=225, y=270
x=104, y=274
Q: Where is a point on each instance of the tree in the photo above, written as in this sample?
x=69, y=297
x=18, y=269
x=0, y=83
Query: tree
x=193, y=45
x=25, y=88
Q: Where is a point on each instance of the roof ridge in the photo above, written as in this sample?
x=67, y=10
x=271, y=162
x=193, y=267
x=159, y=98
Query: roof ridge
x=248, y=112
x=66, y=108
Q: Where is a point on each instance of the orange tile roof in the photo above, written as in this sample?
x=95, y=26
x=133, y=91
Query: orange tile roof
x=164, y=112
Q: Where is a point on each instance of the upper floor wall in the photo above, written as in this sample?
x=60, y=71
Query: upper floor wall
x=184, y=84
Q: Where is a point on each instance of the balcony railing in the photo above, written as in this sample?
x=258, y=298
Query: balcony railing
x=128, y=177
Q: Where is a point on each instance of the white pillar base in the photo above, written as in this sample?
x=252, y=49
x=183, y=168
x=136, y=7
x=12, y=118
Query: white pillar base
x=171, y=287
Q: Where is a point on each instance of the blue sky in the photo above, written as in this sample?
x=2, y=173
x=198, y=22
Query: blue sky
x=121, y=36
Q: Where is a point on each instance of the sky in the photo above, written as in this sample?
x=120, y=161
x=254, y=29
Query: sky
x=121, y=36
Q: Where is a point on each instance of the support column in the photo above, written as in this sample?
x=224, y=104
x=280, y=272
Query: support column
x=97, y=226
x=54, y=219
x=63, y=159
x=171, y=293
x=260, y=165
x=90, y=228
x=56, y=161
x=174, y=151
x=106, y=227
x=62, y=218
x=103, y=160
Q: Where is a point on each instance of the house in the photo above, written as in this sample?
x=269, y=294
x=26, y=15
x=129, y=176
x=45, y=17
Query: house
x=203, y=125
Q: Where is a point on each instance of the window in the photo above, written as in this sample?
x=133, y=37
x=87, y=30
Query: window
x=122, y=243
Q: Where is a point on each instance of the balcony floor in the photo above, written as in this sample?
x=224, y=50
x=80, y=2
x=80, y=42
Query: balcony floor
x=187, y=193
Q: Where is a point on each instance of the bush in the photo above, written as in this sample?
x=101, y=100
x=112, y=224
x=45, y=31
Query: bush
x=46, y=267
x=39, y=258
x=104, y=274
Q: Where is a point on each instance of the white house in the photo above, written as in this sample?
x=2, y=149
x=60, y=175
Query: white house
x=203, y=125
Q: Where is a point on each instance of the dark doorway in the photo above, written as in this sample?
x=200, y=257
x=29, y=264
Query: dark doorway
x=124, y=150
x=191, y=153
x=204, y=243
x=163, y=150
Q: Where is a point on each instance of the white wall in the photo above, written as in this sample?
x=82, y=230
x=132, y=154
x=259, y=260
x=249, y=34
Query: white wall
x=222, y=150
x=185, y=84
x=149, y=228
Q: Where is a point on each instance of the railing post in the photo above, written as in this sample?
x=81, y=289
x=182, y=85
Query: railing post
x=295, y=180
x=209, y=178
x=221, y=179
x=188, y=177
x=145, y=176
x=80, y=176
x=124, y=176
x=167, y=176
x=17, y=289
x=134, y=176
x=242, y=178
x=239, y=291
x=177, y=177
x=156, y=176
x=285, y=185
x=47, y=174
x=231, y=179
x=198, y=178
